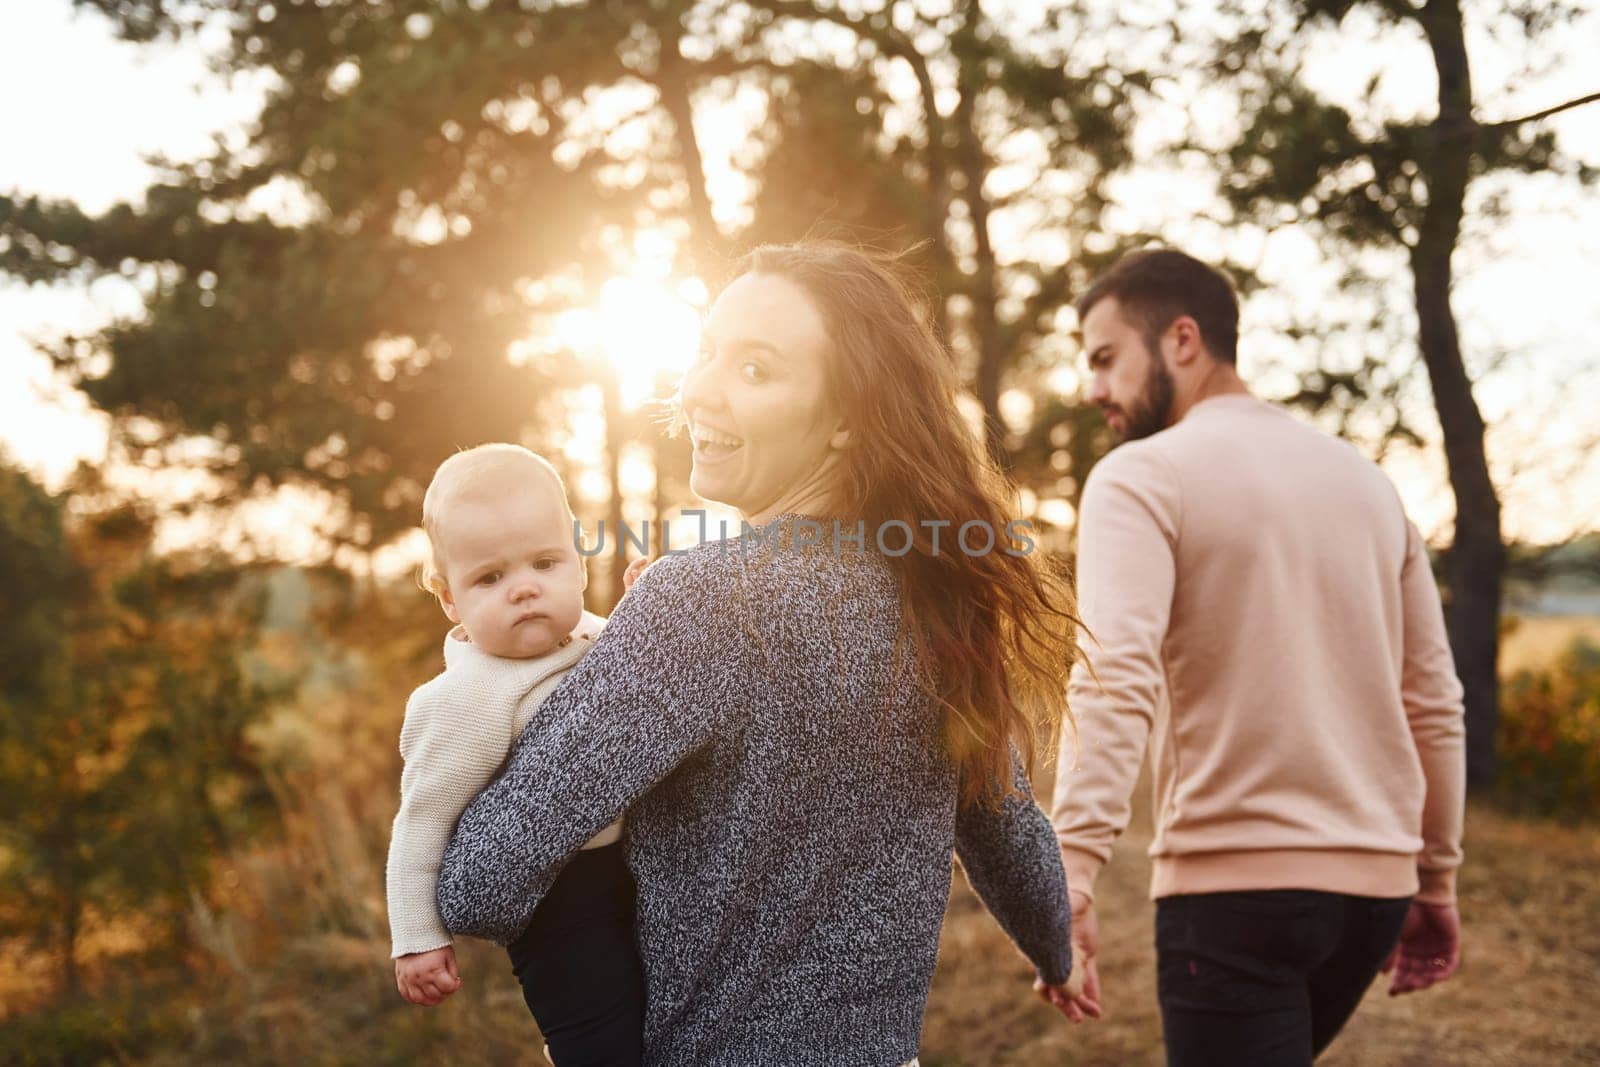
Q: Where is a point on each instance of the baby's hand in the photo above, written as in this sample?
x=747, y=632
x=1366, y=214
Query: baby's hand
x=631, y=575
x=427, y=978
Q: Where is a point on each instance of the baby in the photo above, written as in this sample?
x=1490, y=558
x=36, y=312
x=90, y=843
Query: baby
x=506, y=571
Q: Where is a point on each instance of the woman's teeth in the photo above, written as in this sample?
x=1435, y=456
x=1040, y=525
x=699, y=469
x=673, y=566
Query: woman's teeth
x=704, y=438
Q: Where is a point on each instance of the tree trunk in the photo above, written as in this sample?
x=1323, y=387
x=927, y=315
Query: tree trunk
x=982, y=287
x=71, y=919
x=612, y=405
x=673, y=83
x=1476, y=561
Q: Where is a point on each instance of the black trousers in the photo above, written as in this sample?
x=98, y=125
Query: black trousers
x=1266, y=978
x=579, y=965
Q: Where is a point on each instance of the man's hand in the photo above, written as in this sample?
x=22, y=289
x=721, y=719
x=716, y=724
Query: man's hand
x=1079, y=997
x=427, y=978
x=1429, y=950
x=1061, y=995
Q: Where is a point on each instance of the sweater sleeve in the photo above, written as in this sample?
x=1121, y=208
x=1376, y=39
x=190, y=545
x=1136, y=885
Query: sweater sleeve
x=662, y=681
x=1126, y=573
x=1432, y=696
x=456, y=735
x=1010, y=858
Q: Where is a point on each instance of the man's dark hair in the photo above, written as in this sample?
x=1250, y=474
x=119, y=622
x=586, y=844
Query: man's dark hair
x=1155, y=286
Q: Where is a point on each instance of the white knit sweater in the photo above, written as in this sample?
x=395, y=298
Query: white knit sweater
x=459, y=729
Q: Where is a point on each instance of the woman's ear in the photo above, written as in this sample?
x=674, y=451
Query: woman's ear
x=840, y=440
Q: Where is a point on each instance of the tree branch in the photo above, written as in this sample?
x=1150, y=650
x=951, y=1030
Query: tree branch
x=1399, y=9
x=1546, y=113
x=893, y=43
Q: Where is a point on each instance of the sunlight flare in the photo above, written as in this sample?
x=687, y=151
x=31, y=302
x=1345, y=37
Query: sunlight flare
x=646, y=328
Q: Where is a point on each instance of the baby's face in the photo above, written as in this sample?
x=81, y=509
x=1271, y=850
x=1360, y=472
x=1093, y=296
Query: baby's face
x=513, y=578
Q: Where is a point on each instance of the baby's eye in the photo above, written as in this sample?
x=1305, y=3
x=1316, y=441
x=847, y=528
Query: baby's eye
x=488, y=579
x=544, y=564
x=753, y=372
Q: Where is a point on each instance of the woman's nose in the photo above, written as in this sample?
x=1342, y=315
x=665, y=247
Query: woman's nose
x=699, y=388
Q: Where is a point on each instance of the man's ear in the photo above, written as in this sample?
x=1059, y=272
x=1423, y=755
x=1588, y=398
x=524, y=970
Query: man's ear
x=1187, y=343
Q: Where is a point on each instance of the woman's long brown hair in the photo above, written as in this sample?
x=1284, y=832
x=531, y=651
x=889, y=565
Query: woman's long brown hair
x=995, y=631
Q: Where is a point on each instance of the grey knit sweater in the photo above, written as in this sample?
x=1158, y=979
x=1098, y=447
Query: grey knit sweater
x=791, y=812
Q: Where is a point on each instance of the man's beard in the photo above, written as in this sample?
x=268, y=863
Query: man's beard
x=1154, y=409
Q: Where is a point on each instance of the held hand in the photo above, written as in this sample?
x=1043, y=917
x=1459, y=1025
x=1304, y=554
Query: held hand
x=1079, y=997
x=1061, y=995
x=427, y=978
x=1429, y=950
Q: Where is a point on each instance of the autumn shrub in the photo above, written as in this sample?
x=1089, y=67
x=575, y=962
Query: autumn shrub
x=1549, y=743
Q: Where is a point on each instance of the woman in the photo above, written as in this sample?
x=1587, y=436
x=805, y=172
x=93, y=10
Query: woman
x=802, y=726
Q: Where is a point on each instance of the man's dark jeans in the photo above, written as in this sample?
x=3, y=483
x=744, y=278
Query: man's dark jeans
x=1266, y=978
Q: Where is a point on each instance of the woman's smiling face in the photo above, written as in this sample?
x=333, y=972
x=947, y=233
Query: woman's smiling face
x=765, y=433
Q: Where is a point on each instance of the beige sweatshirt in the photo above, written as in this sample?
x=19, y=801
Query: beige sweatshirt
x=1263, y=614
x=459, y=729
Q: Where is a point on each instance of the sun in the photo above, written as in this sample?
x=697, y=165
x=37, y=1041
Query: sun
x=645, y=325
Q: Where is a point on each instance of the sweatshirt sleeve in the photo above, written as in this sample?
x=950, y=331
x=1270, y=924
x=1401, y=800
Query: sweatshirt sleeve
x=1432, y=696
x=1010, y=858
x=661, y=682
x=456, y=735
x=1127, y=535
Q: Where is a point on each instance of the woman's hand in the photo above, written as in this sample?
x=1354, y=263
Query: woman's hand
x=1078, y=997
x=427, y=978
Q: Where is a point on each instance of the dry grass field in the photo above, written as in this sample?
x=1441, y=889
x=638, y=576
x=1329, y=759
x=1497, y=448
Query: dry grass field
x=1534, y=641
x=292, y=966
x=1525, y=993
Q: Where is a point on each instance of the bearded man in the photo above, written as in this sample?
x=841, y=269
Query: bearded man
x=1258, y=609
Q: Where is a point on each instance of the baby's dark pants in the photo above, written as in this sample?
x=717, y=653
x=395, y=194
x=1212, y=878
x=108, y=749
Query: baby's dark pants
x=579, y=965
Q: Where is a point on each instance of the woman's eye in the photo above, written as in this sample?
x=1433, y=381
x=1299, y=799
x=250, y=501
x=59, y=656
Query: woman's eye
x=753, y=372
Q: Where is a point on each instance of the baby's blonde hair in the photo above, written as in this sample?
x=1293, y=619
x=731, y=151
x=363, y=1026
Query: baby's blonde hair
x=476, y=472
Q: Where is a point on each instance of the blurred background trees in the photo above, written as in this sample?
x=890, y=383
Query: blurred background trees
x=1375, y=180
x=332, y=304
x=125, y=705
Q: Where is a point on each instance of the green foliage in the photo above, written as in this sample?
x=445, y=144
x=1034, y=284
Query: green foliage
x=1550, y=736
x=38, y=581
x=828, y=120
x=335, y=303
x=428, y=171
x=129, y=1025
x=124, y=759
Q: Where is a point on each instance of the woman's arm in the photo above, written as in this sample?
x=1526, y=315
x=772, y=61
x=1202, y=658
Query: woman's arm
x=663, y=680
x=1012, y=861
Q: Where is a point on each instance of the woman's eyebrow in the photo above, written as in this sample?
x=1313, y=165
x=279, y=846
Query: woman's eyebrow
x=746, y=344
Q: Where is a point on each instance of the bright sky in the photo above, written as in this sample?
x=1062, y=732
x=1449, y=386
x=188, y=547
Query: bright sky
x=95, y=106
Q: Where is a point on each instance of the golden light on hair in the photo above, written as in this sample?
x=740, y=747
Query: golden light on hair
x=485, y=469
